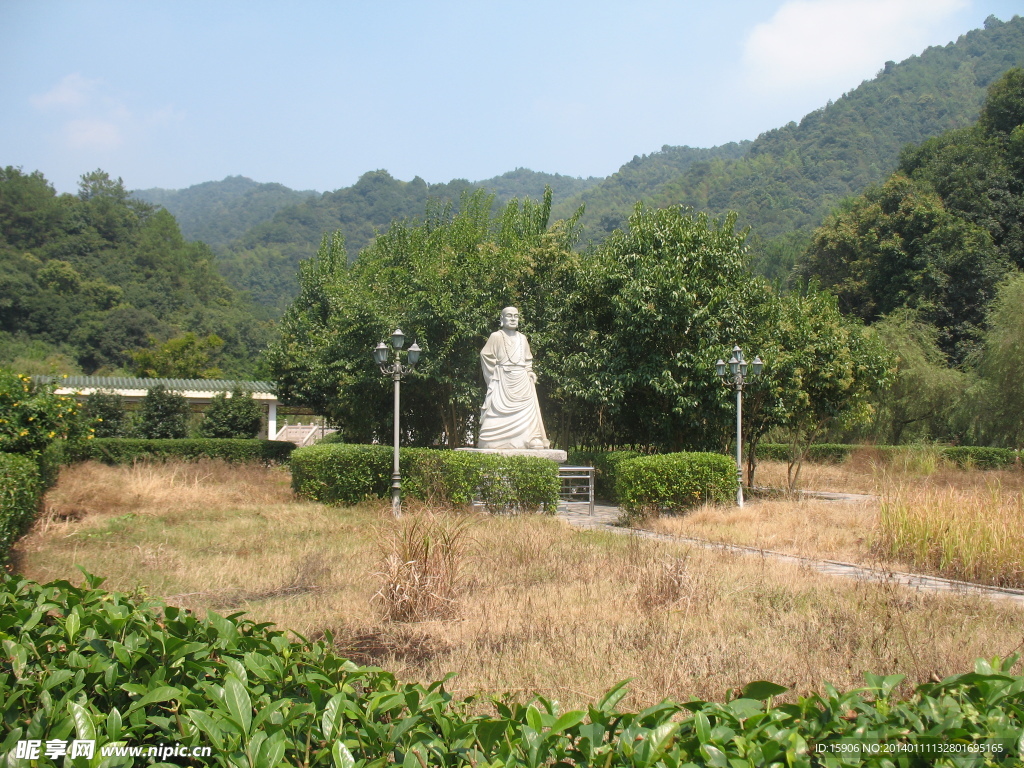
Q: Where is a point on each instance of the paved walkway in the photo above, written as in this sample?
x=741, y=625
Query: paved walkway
x=605, y=518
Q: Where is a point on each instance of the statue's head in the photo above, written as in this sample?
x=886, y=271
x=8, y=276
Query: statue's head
x=510, y=318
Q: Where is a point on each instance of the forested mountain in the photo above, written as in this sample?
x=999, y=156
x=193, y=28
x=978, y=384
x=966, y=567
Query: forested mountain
x=782, y=185
x=90, y=281
x=218, y=212
x=523, y=182
x=265, y=260
x=791, y=177
x=942, y=231
x=262, y=231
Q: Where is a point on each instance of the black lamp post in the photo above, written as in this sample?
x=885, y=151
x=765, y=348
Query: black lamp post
x=396, y=370
x=735, y=375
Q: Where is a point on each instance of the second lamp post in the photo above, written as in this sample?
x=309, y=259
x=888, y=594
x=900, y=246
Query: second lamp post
x=396, y=370
x=736, y=376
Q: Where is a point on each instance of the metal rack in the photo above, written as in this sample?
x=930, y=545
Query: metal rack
x=577, y=482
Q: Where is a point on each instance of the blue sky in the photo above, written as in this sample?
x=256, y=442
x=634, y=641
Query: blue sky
x=170, y=93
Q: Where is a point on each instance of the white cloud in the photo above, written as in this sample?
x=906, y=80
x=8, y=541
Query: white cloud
x=74, y=91
x=840, y=42
x=91, y=116
x=92, y=134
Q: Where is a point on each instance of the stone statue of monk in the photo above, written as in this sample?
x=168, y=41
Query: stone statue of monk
x=510, y=417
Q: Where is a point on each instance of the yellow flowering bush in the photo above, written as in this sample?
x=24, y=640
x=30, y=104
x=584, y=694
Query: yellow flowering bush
x=32, y=416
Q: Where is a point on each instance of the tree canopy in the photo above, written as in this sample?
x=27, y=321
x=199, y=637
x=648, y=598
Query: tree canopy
x=87, y=280
x=624, y=336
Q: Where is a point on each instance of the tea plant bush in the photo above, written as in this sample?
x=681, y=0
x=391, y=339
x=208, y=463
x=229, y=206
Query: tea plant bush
x=341, y=473
x=84, y=663
x=673, y=482
x=20, y=489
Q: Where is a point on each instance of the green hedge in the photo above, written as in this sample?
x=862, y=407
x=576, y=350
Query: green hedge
x=340, y=473
x=821, y=453
x=836, y=453
x=125, y=450
x=982, y=458
x=92, y=664
x=20, y=490
x=606, y=467
x=345, y=474
x=673, y=482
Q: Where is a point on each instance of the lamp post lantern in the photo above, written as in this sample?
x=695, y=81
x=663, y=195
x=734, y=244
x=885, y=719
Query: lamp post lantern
x=734, y=374
x=396, y=370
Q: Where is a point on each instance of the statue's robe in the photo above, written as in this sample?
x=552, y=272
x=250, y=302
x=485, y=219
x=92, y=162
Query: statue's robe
x=510, y=417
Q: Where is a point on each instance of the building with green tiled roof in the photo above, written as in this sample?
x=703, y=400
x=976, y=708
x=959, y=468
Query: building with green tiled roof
x=198, y=392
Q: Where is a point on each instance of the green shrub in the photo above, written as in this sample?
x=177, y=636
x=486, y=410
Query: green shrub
x=50, y=460
x=978, y=457
x=345, y=474
x=772, y=452
x=106, y=414
x=82, y=662
x=237, y=416
x=605, y=464
x=163, y=415
x=20, y=491
x=674, y=482
x=125, y=450
x=341, y=473
x=32, y=416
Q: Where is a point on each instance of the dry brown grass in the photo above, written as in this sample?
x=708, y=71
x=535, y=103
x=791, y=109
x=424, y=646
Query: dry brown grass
x=816, y=528
x=924, y=516
x=421, y=564
x=95, y=490
x=865, y=472
x=544, y=607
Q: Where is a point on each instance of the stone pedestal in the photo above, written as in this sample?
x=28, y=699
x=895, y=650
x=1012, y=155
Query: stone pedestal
x=541, y=453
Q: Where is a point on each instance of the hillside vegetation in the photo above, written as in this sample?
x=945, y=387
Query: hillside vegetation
x=782, y=185
x=87, y=280
x=790, y=178
x=218, y=212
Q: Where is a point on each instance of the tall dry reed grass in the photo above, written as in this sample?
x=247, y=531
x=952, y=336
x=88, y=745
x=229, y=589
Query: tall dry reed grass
x=421, y=563
x=974, y=535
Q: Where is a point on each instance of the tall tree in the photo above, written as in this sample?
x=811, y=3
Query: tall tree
x=652, y=312
x=443, y=280
x=996, y=415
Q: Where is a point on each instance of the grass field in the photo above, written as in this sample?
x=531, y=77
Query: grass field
x=534, y=606
x=924, y=517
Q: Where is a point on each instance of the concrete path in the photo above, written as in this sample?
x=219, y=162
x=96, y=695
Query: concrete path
x=606, y=516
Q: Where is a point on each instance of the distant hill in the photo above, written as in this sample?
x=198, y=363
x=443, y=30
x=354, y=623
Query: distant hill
x=782, y=184
x=89, y=280
x=790, y=178
x=264, y=261
x=218, y=212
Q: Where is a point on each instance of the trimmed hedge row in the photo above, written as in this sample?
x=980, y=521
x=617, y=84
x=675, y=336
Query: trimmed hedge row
x=20, y=490
x=962, y=456
x=673, y=482
x=340, y=473
x=125, y=450
x=980, y=457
